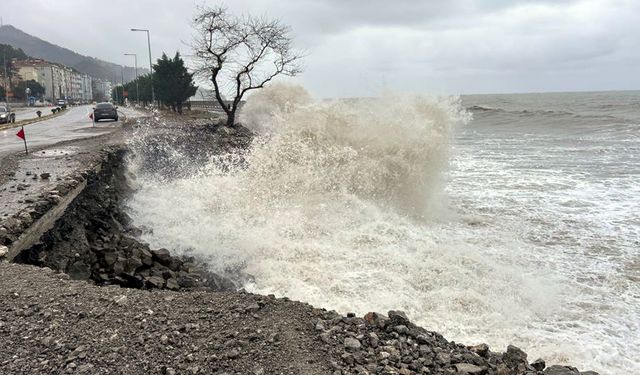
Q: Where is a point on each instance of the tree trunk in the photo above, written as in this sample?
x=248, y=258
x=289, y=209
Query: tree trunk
x=179, y=105
x=231, y=119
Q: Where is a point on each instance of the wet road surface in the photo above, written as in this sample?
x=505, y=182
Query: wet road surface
x=72, y=125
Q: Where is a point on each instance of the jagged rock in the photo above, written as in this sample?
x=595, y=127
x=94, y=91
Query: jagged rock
x=373, y=340
x=146, y=256
x=186, y=282
x=174, y=264
x=110, y=258
x=401, y=329
x=561, y=370
x=443, y=358
x=376, y=319
x=515, y=357
x=481, y=349
x=162, y=256
x=351, y=343
x=172, y=284
x=120, y=265
x=539, y=364
x=132, y=264
x=398, y=317
x=155, y=282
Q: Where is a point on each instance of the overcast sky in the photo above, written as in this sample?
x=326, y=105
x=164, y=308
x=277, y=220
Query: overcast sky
x=359, y=48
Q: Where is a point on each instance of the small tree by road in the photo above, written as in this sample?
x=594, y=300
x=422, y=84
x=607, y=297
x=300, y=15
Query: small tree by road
x=241, y=53
x=173, y=83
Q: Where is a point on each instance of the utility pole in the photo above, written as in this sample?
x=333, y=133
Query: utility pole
x=122, y=83
x=153, y=93
x=6, y=91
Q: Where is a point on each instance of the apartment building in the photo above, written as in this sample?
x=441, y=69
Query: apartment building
x=59, y=81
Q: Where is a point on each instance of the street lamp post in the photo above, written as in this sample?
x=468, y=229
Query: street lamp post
x=135, y=58
x=124, y=99
x=153, y=93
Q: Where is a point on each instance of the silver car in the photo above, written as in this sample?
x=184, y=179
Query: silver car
x=6, y=116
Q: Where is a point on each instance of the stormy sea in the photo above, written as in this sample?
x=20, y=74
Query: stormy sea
x=488, y=218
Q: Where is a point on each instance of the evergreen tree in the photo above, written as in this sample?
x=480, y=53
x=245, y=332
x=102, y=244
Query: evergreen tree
x=7, y=54
x=37, y=90
x=117, y=93
x=172, y=82
x=143, y=86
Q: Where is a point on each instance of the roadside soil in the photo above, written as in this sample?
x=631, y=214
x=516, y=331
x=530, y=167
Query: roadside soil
x=49, y=324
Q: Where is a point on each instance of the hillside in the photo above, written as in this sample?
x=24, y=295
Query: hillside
x=38, y=48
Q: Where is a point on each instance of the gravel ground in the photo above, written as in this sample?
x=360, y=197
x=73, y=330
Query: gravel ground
x=50, y=324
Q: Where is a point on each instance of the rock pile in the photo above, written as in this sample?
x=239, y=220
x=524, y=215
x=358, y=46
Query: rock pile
x=379, y=344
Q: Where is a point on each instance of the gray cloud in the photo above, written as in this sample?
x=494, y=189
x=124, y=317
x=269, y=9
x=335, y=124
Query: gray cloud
x=360, y=47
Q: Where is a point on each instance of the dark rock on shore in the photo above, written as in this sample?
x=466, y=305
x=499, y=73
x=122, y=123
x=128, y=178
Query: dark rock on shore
x=379, y=344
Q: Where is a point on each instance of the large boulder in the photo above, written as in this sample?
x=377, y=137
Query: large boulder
x=515, y=358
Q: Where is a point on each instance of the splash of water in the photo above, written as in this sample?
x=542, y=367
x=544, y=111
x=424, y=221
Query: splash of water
x=341, y=205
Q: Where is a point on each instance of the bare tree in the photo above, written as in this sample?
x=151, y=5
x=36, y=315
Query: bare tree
x=241, y=53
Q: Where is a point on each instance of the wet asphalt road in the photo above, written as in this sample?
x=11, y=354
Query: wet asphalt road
x=29, y=113
x=72, y=125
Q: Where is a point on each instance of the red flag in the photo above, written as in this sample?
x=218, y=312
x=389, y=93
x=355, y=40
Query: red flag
x=21, y=134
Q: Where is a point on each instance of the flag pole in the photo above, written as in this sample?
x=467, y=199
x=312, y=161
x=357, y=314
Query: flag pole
x=26, y=150
x=24, y=138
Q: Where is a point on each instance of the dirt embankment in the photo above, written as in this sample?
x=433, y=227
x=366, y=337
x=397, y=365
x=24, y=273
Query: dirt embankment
x=50, y=323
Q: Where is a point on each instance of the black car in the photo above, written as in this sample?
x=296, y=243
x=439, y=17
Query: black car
x=6, y=116
x=104, y=111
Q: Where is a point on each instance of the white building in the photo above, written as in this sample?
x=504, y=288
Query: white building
x=52, y=77
x=87, y=91
x=101, y=90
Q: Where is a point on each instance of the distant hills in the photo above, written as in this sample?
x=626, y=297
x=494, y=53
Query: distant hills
x=38, y=48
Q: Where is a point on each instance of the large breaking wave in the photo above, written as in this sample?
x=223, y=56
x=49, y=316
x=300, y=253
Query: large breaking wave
x=341, y=204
